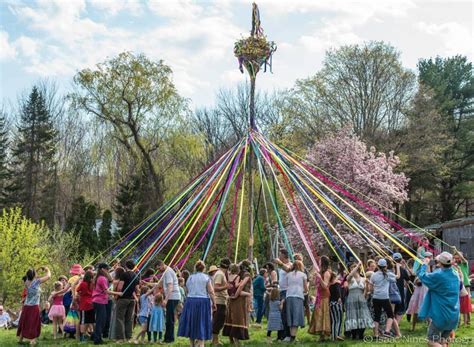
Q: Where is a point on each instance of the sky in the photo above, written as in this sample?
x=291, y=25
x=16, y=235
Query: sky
x=57, y=38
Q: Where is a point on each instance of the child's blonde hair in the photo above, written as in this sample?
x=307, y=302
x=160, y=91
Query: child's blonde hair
x=158, y=299
x=58, y=286
x=275, y=294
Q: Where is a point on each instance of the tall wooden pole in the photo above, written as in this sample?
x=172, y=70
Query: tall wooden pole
x=253, y=52
x=251, y=209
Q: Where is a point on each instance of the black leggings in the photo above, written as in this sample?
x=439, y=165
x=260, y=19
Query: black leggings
x=380, y=304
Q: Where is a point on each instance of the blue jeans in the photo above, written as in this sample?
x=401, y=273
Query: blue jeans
x=259, y=308
x=100, y=319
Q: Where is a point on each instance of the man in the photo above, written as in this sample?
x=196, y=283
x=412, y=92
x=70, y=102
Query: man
x=5, y=320
x=441, y=303
x=219, y=281
x=259, y=290
x=212, y=271
x=171, y=300
x=285, y=265
x=402, y=281
x=126, y=303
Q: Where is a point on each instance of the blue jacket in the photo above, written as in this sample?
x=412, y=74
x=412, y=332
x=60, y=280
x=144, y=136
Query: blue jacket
x=441, y=302
x=259, y=286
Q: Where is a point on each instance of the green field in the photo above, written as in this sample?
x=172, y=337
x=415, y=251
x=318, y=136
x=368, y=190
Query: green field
x=464, y=336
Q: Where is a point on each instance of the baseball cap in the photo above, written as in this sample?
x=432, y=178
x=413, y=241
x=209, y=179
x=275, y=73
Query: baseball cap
x=445, y=258
x=397, y=256
x=382, y=263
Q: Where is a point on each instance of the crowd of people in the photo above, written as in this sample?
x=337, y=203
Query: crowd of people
x=111, y=302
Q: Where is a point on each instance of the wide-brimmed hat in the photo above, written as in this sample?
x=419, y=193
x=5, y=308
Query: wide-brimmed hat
x=76, y=269
x=213, y=268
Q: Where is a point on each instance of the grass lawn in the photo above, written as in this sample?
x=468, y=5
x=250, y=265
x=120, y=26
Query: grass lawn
x=465, y=336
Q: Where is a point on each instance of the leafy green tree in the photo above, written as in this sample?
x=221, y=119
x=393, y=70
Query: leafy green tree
x=452, y=83
x=105, y=230
x=34, y=160
x=137, y=100
x=364, y=86
x=22, y=246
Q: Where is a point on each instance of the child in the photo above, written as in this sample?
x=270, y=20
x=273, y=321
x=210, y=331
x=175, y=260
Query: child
x=274, y=313
x=157, y=318
x=182, y=293
x=44, y=313
x=144, y=312
x=335, y=307
x=57, y=312
x=86, y=308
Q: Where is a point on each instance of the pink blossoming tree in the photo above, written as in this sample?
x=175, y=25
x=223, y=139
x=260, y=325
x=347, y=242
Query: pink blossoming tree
x=369, y=176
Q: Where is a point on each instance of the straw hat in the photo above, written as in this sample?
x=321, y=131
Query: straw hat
x=212, y=269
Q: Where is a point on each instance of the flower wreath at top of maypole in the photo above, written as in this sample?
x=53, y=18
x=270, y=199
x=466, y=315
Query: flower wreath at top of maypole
x=255, y=50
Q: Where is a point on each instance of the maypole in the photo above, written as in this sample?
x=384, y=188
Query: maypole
x=253, y=52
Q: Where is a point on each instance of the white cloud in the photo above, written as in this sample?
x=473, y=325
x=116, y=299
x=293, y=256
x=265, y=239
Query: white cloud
x=181, y=10
x=453, y=36
x=7, y=50
x=27, y=46
x=113, y=7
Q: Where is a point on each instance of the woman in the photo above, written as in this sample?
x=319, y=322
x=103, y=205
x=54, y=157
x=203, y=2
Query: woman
x=236, y=324
x=358, y=317
x=116, y=286
x=100, y=299
x=297, y=286
x=195, y=320
x=321, y=321
x=379, y=285
x=29, y=326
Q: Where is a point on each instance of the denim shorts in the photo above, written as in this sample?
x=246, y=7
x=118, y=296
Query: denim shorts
x=142, y=320
x=437, y=335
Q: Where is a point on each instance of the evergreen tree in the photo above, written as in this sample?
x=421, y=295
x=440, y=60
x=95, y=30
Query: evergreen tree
x=4, y=171
x=129, y=205
x=452, y=83
x=82, y=222
x=105, y=232
x=34, y=159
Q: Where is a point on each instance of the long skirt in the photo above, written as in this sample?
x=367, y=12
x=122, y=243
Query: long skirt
x=195, y=320
x=237, y=319
x=417, y=299
x=321, y=320
x=29, y=325
x=357, y=312
x=113, y=321
x=295, y=312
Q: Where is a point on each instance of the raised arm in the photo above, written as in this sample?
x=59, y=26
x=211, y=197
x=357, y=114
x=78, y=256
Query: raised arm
x=47, y=276
x=354, y=270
